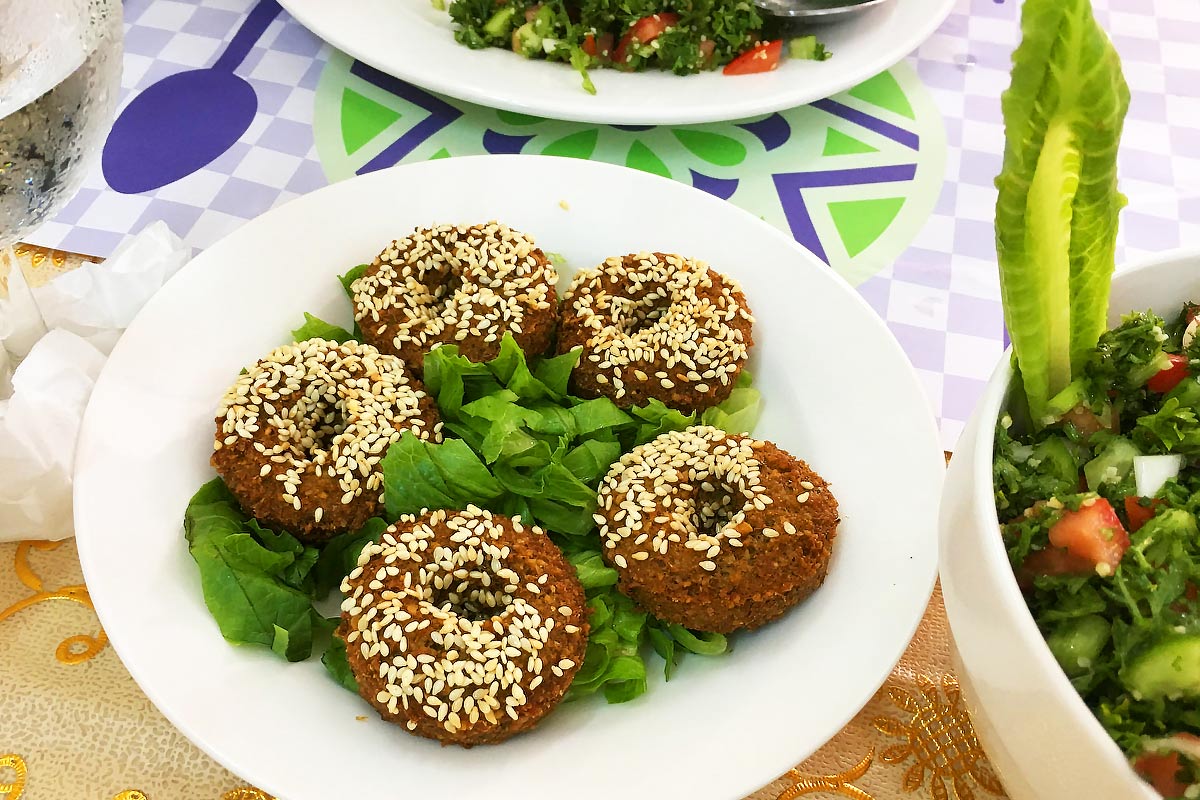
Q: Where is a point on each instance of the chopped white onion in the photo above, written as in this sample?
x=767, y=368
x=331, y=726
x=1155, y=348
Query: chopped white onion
x=1189, y=332
x=1151, y=472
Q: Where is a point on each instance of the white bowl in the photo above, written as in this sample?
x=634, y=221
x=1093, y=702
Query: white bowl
x=1039, y=734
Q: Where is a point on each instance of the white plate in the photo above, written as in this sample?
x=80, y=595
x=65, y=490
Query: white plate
x=411, y=40
x=839, y=393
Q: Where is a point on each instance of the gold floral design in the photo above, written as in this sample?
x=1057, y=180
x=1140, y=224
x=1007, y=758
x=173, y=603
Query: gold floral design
x=836, y=784
x=939, y=736
x=37, y=255
x=74, y=649
x=12, y=766
x=13, y=770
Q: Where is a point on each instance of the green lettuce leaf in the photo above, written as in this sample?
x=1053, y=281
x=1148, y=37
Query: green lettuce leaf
x=655, y=418
x=242, y=580
x=338, y=666
x=1056, y=213
x=739, y=412
x=419, y=475
x=315, y=328
x=350, y=277
x=339, y=556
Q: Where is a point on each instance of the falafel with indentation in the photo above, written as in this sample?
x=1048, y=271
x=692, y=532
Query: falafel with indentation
x=300, y=434
x=464, y=626
x=655, y=325
x=716, y=531
x=465, y=285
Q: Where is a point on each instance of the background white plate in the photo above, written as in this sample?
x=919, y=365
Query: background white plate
x=839, y=393
x=412, y=40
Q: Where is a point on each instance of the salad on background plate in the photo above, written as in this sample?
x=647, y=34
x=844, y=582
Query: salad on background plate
x=682, y=36
x=1095, y=469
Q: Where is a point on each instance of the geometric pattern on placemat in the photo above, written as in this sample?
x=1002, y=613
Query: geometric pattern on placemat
x=851, y=178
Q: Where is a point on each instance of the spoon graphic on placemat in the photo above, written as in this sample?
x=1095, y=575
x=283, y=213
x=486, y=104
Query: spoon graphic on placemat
x=185, y=120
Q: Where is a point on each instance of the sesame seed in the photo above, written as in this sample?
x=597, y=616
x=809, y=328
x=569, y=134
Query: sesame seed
x=476, y=667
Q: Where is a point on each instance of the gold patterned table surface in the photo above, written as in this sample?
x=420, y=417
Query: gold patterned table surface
x=75, y=726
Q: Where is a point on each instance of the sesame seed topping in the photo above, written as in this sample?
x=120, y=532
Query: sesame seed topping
x=451, y=283
x=640, y=312
x=319, y=410
x=693, y=488
x=444, y=621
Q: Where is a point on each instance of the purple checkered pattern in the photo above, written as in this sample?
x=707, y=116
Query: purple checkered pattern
x=940, y=297
x=274, y=161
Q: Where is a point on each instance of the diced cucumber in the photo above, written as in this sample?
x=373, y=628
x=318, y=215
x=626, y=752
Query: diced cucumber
x=1073, y=394
x=543, y=22
x=1169, y=668
x=526, y=41
x=1053, y=457
x=805, y=47
x=1077, y=643
x=1112, y=465
x=500, y=23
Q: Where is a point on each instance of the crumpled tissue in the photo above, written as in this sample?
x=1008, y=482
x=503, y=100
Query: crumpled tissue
x=54, y=340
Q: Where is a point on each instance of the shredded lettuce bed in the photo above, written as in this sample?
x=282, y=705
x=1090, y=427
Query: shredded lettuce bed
x=517, y=443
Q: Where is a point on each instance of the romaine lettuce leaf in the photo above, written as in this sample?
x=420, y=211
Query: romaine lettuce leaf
x=739, y=412
x=316, y=328
x=244, y=581
x=1056, y=213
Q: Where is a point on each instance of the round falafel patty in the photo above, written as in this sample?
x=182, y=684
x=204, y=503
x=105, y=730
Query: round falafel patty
x=458, y=284
x=658, y=326
x=301, y=433
x=716, y=531
x=463, y=626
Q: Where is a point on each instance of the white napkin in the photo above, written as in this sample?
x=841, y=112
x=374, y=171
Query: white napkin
x=98, y=301
x=21, y=323
x=42, y=400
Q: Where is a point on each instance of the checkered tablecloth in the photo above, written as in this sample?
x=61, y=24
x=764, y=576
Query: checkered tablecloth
x=929, y=271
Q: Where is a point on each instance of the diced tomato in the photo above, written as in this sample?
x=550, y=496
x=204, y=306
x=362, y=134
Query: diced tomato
x=1094, y=533
x=707, y=47
x=644, y=31
x=1137, y=513
x=1055, y=561
x=598, y=46
x=1087, y=422
x=763, y=57
x=1161, y=769
x=1167, y=379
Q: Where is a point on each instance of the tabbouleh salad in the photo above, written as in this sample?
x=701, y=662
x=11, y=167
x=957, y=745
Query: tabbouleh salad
x=1100, y=522
x=683, y=36
x=1095, y=463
